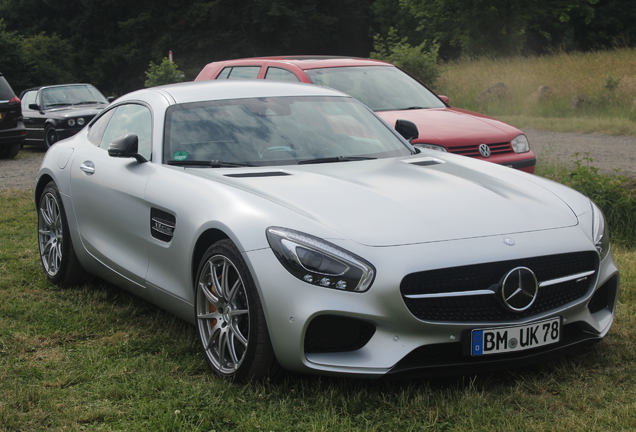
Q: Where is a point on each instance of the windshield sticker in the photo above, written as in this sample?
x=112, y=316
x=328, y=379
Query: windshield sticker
x=180, y=155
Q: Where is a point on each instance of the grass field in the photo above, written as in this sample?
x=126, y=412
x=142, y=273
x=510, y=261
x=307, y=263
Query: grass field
x=94, y=358
x=606, y=78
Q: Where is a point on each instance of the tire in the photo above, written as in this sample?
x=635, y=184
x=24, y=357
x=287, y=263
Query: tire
x=50, y=137
x=57, y=254
x=10, y=151
x=229, y=317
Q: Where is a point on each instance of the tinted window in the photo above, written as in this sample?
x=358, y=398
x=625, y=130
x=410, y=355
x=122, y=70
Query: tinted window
x=381, y=88
x=6, y=93
x=280, y=74
x=131, y=118
x=239, y=72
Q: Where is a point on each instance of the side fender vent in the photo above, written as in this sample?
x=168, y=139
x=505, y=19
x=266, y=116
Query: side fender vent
x=162, y=225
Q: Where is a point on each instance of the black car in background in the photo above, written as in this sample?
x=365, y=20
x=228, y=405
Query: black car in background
x=12, y=129
x=52, y=113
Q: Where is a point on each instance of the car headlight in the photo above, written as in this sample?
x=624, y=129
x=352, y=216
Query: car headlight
x=318, y=262
x=430, y=147
x=80, y=121
x=71, y=122
x=520, y=144
x=600, y=232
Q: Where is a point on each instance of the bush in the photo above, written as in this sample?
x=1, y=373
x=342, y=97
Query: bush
x=420, y=61
x=614, y=194
x=166, y=72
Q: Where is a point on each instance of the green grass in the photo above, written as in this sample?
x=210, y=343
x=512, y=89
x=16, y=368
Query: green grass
x=94, y=358
x=607, y=78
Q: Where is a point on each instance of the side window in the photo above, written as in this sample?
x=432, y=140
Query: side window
x=130, y=118
x=28, y=98
x=96, y=131
x=240, y=72
x=280, y=74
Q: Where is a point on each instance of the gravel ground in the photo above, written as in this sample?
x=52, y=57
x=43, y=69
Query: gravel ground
x=608, y=152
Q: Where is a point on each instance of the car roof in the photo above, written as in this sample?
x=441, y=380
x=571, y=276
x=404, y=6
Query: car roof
x=55, y=85
x=316, y=62
x=197, y=91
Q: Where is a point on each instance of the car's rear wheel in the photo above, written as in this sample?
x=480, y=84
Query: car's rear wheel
x=229, y=317
x=10, y=152
x=50, y=137
x=57, y=254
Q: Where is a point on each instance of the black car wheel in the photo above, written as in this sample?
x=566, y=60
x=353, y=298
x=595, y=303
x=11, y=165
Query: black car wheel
x=50, y=137
x=10, y=152
x=56, y=249
x=229, y=317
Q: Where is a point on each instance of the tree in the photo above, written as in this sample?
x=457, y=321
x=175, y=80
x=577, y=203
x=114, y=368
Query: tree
x=166, y=72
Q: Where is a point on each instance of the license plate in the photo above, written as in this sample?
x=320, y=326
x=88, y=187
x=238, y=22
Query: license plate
x=515, y=338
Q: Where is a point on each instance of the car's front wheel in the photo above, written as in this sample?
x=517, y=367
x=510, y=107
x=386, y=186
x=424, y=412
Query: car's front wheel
x=50, y=137
x=229, y=317
x=60, y=263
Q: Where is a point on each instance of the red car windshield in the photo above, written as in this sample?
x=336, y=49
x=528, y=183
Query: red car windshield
x=381, y=88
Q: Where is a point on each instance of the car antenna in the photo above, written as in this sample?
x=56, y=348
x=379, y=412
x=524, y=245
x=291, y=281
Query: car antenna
x=248, y=41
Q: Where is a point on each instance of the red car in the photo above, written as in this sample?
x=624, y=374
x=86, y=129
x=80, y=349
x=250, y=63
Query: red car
x=393, y=95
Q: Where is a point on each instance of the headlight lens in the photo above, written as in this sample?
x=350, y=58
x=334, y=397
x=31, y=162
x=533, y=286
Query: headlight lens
x=71, y=122
x=80, y=121
x=520, y=144
x=600, y=232
x=318, y=262
x=430, y=147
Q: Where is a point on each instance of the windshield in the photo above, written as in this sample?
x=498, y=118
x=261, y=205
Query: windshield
x=71, y=95
x=381, y=88
x=276, y=131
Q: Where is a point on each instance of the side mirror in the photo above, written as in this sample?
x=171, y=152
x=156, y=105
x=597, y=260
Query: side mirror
x=444, y=99
x=407, y=129
x=110, y=98
x=34, y=107
x=126, y=146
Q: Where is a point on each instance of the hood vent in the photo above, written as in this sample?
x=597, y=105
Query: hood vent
x=259, y=174
x=428, y=161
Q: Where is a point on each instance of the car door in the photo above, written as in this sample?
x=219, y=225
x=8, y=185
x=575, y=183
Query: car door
x=33, y=120
x=108, y=192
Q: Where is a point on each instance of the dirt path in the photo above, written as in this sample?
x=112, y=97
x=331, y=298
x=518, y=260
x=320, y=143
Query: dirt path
x=608, y=152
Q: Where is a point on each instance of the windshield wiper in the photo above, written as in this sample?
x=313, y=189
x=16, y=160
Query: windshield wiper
x=208, y=164
x=87, y=102
x=334, y=159
x=413, y=108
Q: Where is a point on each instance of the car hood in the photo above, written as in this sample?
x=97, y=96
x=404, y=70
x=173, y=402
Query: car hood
x=77, y=110
x=411, y=200
x=452, y=126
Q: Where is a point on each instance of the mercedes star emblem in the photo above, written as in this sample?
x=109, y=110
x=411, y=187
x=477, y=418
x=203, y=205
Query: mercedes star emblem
x=519, y=289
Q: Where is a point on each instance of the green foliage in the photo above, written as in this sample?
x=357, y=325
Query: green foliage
x=12, y=62
x=166, y=72
x=614, y=194
x=420, y=61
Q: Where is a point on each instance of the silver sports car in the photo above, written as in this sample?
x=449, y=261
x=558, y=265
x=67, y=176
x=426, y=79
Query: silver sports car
x=298, y=231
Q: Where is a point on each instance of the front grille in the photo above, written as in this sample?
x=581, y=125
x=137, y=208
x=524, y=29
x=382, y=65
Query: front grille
x=473, y=150
x=488, y=276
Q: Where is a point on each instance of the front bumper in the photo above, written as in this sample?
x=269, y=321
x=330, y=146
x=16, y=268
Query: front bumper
x=373, y=334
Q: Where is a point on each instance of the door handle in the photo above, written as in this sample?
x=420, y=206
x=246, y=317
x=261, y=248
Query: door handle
x=88, y=167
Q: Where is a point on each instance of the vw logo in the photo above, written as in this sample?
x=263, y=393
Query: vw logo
x=519, y=289
x=484, y=150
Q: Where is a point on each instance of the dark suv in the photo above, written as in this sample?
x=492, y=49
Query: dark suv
x=12, y=131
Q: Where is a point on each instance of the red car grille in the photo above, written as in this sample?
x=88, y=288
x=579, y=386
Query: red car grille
x=473, y=150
